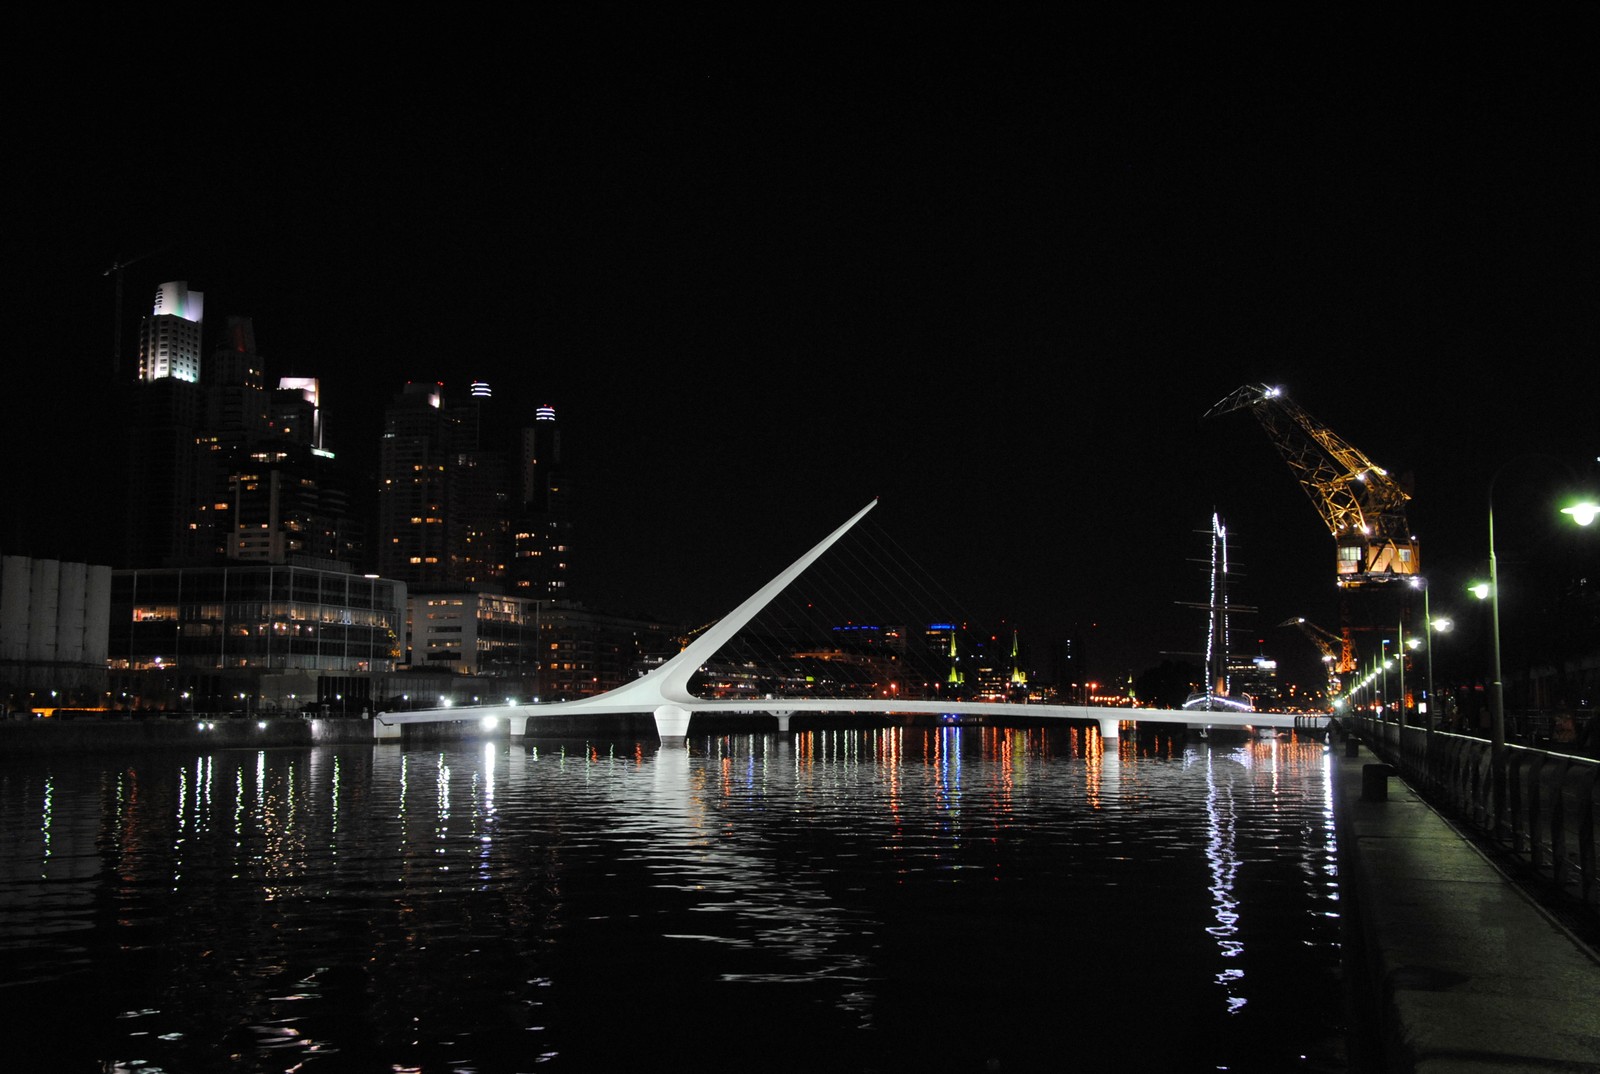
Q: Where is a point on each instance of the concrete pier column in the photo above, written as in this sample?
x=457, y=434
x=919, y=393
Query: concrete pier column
x=518, y=724
x=783, y=722
x=1109, y=730
x=672, y=725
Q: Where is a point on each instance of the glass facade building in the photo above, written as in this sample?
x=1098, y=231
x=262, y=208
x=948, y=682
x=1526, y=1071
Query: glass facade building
x=265, y=617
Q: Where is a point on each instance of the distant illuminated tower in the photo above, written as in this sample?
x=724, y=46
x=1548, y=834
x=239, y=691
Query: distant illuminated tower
x=163, y=449
x=1019, y=678
x=297, y=411
x=169, y=339
x=235, y=378
x=481, y=394
x=291, y=502
x=411, y=502
x=234, y=383
x=443, y=504
x=541, y=457
x=956, y=679
x=481, y=498
x=542, y=537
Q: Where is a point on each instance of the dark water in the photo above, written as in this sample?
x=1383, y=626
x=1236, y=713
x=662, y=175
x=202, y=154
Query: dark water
x=956, y=899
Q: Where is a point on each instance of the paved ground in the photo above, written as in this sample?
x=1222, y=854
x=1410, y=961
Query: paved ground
x=1467, y=974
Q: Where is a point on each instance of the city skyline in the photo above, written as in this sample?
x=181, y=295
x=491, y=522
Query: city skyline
x=1001, y=304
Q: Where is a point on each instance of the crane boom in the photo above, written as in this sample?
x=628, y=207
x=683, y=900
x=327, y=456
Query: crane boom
x=1340, y=651
x=1360, y=503
x=116, y=319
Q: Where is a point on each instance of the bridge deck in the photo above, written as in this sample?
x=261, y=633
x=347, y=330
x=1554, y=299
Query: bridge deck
x=602, y=705
x=665, y=690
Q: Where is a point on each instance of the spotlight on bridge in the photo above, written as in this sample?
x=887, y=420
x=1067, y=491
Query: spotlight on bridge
x=490, y=722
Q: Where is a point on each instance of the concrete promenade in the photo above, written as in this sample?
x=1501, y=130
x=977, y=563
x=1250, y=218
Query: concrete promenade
x=1466, y=973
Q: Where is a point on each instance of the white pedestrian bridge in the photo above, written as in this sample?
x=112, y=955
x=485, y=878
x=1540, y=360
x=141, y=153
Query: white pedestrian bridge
x=665, y=690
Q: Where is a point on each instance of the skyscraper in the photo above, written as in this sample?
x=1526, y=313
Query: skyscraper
x=219, y=468
x=169, y=338
x=457, y=511
x=235, y=378
x=422, y=489
x=542, y=536
x=166, y=411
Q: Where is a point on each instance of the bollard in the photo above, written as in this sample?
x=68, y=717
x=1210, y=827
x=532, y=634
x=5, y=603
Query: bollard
x=1375, y=782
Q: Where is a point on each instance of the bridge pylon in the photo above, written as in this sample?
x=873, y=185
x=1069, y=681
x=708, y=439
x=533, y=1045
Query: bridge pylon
x=665, y=692
x=672, y=725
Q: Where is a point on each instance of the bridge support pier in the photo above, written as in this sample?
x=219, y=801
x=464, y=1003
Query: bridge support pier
x=1109, y=730
x=672, y=725
x=783, y=722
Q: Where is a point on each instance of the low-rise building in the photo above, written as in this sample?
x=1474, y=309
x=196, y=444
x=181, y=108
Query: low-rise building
x=252, y=638
x=53, y=629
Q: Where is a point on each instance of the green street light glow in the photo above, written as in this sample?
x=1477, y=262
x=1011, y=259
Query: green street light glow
x=1479, y=590
x=1582, y=513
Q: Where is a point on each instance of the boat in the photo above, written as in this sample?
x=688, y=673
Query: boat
x=1211, y=701
x=1217, y=696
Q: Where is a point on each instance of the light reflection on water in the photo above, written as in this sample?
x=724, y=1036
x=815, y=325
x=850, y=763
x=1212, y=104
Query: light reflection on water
x=883, y=899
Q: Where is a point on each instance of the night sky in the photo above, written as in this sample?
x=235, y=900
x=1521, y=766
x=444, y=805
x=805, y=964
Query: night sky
x=994, y=275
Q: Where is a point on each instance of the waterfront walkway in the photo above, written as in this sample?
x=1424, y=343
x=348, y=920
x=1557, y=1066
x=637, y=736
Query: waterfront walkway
x=1465, y=972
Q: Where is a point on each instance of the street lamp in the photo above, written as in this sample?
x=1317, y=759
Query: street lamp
x=1442, y=625
x=1401, y=644
x=1583, y=513
x=1383, y=669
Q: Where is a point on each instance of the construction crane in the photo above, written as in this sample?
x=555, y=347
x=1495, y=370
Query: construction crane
x=1339, y=653
x=1360, y=503
x=116, y=322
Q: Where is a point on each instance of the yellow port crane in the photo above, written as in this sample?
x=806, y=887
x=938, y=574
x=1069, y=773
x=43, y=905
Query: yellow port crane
x=1339, y=653
x=1360, y=503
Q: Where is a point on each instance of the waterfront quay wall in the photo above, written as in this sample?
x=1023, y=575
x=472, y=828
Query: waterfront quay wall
x=90, y=734
x=196, y=731
x=1462, y=956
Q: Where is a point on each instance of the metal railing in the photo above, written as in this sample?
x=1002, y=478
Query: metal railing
x=1544, y=812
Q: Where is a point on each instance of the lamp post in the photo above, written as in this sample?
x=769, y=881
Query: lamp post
x=1400, y=655
x=1583, y=513
x=1497, y=701
x=1435, y=626
x=1383, y=670
x=1425, y=710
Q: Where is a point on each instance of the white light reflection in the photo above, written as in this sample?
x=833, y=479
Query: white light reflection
x=1222, y=854
x=48, y=818
x=1330, y=864
x=489, y=753
x=441, y=829
x=486, y=815
x=948, y=762
x=333, y=807
x=400, y=816
x=202, y=792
